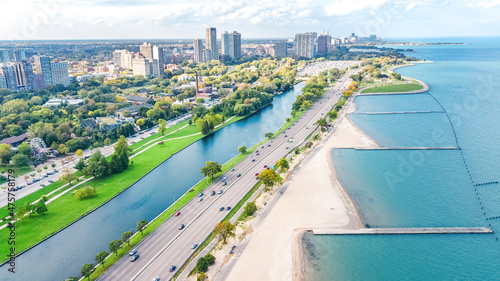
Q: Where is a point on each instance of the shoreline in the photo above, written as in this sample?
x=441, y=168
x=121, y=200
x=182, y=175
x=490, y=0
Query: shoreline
x=315, y=198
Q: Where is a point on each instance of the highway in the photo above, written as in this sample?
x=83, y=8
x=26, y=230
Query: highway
x=168, y=245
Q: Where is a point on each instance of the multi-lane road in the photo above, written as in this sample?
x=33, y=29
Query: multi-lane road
x=168, y=245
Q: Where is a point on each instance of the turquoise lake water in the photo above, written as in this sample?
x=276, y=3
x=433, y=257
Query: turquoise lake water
x=424, y=188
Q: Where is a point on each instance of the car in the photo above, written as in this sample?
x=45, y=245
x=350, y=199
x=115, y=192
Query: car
x=307, y=127
x=142, y=138
x=257, y=154
x=172, y=268
x=239, y=175
x=286, y=136
x=268, y=168
x=51, y=181
x=45, y=176
x=134, y=258
x=265, y=166
x=133, y=252
x=287, y=147
x=256, y=174
x=228, y=208
x=220, y=191
x=42, y=185
x=221, y=209
x=141, y=133
x=224, y=183
x=201, y=199
x=253, y=160
x=292, y=137
x=257, y=178
x=201, y=194
x=232, y=170
x=181, y=227
x=262, y=147
x=213, y=193
x=177, y=214
x=194, y=246
x=224, y=179
x=293, y=124
x=322, y=113
x=268, y=145
x=29, y=183
x=156, y=279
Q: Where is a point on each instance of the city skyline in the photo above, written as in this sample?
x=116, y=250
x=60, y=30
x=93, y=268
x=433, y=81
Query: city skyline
x=155, y=19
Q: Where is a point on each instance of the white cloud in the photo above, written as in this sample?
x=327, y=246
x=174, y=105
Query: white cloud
x=345, y=7
x=487, y=4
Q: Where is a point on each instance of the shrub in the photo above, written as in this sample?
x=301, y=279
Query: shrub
x=85, y=192
x=44, y=197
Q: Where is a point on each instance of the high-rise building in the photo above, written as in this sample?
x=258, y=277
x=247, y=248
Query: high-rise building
x=9, y=74
x=117, y=58
x=144, y=66
x=198, y=50
x=20, y=55
x=3, y=82
x=231, y=44
x=147, y=50
x=24, y=75
x=43, y=67
x=38, y=81
x=160, y=57
x=280, y=49
x=322, y=44
x=305, y=44
x=4, y=55
x=211, y=35
x=126, y=61
x=60, y=73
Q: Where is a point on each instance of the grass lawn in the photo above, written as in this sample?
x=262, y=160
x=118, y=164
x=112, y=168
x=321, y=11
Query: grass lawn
x=19, y=171
x=394, y=88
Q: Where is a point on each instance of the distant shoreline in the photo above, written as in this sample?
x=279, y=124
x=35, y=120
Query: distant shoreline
x=424, y=44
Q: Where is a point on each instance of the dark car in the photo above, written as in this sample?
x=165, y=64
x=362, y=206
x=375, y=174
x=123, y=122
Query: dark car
x=286, y=136
x=133, y=252
x=228, y=208
x=287, y=147
x=220, y=191
x=265, y=166
x=134, y=258
x=239, y=175
x=213, y=193
x=262, y=147
x=221, y=208
x=201, y=194
x=232, y=170
x=181, y=227
x=224, y=183
x=253, y=160
x=51, y=181
x=268, y=145
x=172, y=268
x=256, y=174
x=42, y=185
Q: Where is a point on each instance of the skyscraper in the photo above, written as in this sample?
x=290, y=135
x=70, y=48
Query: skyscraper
x=42, y=67
x=322, y=44
x=211, y=35
x=141, y=66
x=117, y=58
x=305, y=45
x=24, y=75
x=280, y=49
x=60, y=73
x=198, y=50
x=126, y=61
x=147, y=50
x=4, y=55
x=9, y=74
x=159, y=56
x=231, y=44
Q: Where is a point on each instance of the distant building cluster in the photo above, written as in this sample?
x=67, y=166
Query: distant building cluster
x=230, y=47
x=31, y=73
x=149, y=61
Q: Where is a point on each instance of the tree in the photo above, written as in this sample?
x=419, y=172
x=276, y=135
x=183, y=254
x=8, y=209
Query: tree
x=126, y=113
x=126, y=236
x=67, y=176
x=24, y=148
x=62, y=149
x=25, y=209
x=114, y=246
x=120, y=99
x=200, y=100
x=162, y=127
x=283, y=163
x=204, y=262
x=85, y=192
x=101, y=257
x=322, y=122
x=242, y=149
x=306, y=104
x=97, y=166
x=141, y=225
x=80, y=165
x=250, y=208
x=107, y=141
x=269, y=177
x=140, y=122
x=20, y=160
x=333, y=115
x=87, y=270
x=5, y=153
x=40, y=207
x=211, y=168
x=225, y=229
x=79, y=153
x=269, y=135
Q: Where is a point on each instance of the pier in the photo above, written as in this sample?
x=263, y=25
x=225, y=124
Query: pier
x=410, y=148
x=426, y=230
x=397, y=112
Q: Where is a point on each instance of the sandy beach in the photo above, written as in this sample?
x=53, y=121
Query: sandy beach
x=314, y=198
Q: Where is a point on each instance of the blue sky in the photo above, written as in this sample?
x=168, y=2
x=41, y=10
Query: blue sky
x=164, y=19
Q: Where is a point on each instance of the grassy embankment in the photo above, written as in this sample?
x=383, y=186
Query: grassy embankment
x=393, y=88
x=66, y=209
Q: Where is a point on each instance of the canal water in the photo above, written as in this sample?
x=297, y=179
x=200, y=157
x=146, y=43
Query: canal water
x=64, y=254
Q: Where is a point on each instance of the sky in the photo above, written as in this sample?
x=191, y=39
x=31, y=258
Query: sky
x=166, y=19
